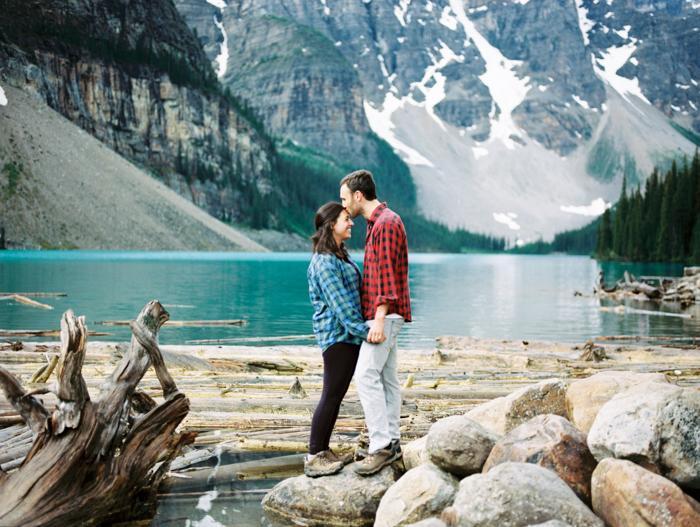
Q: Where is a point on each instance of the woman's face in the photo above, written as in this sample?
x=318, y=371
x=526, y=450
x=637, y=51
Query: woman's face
x=342, y=227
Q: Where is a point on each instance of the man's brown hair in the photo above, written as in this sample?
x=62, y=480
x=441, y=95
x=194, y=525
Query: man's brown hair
x=363, y=181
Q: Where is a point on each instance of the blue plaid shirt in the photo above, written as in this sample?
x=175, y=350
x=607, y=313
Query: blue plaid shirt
x=334, y=288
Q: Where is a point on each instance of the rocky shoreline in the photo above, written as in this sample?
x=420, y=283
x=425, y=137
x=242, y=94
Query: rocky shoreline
x=616, y=449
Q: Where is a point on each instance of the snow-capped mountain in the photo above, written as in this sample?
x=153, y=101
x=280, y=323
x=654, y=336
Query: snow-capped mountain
x=516, y=117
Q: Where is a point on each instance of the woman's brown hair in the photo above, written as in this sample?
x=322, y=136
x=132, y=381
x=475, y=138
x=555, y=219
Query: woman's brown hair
x=323, y=240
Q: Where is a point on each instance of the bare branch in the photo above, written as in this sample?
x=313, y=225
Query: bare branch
x=28, y=406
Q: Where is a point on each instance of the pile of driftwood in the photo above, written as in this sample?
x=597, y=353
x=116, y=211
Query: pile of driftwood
x=91, y=462
x=685, y=289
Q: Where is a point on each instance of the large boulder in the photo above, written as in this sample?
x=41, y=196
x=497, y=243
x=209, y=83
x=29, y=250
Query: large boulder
x=345, y=499
x=421, y=493
x=459, y=445
x=627, y=495
x=415, y=453
x=551, y=442
x=505, y=413
x=655, y=425
x=517, y=495
x=586, y=397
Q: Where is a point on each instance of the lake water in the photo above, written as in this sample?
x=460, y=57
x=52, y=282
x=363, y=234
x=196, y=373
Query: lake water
x=490, y=296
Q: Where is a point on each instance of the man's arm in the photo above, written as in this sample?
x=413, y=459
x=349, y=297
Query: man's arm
x=376, y=332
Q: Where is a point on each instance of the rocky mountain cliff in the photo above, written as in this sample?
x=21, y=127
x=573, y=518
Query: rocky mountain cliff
x=133, y=75
x=517, y=117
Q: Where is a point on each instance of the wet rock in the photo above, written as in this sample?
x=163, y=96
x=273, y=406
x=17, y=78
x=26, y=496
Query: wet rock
x=627, y=495
x=421, y=493
x=655, y=425
x=415, y=453
x=585, y=398
x=517, y=495
x=505, y=413
x=551, y=442
x=459, y=445
x=342, y=500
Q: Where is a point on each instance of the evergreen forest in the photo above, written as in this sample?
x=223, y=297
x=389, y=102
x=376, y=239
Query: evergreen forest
x=661, y=224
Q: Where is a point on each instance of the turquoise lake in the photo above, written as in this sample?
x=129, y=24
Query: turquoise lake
x=478, y=295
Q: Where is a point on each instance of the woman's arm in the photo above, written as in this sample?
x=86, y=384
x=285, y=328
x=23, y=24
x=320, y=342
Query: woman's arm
x=344, y=304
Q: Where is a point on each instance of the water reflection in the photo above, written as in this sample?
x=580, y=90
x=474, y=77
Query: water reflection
x=488, y=296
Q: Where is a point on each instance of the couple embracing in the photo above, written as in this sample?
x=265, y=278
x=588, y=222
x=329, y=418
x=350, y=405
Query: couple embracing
x=356, y=322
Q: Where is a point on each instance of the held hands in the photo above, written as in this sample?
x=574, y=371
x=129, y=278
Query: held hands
x=376, y=332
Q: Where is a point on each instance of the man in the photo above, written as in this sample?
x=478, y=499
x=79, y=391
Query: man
x=386, y=305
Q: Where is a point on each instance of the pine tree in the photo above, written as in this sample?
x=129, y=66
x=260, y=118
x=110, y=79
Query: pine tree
x=604, y=239
x=620, y=220
x=652, y=206
x=683, y=213
x=665, y=240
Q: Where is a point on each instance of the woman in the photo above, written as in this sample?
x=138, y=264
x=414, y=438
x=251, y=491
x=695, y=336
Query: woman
x=334, y=288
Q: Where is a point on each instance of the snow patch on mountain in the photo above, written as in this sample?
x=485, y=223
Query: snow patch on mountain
x=3, y=97
x=380, y=122
x=222, y=58
x=596, y=208
x=507, y=90
x=507, y=219
x=607, y=66
x=584, y=23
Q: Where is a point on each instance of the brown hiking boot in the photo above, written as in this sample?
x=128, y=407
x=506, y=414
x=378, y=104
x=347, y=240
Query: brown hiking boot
x=343, y=458
x=394, y=446
x=373, y=463
x=321, y=465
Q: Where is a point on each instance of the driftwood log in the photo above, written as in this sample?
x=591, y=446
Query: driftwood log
x=95, y=462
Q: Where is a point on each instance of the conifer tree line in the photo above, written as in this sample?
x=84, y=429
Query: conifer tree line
x=662, y=224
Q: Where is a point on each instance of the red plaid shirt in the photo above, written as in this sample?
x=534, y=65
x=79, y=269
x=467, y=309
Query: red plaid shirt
x=385, y=279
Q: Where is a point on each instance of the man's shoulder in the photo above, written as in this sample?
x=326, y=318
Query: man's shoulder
x=389, y=218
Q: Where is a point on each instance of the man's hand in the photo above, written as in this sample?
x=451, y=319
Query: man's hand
x=376, y=332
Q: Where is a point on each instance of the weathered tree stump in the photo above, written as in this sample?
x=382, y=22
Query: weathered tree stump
x=95, y=463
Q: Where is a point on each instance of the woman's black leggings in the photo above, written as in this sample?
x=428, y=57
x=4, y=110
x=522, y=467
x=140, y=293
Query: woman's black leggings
x=339, y=362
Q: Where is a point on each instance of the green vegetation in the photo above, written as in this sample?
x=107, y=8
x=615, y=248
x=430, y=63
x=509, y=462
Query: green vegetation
x=579, y=241
x=688, y=134
x=307, y=180
x=12, y=170
x=660, y=225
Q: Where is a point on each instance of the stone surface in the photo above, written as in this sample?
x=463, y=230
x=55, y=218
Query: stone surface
x=421, y=493
x=459, y=445
x=342, y=500
x=415, y=453
x=551, y=442
x=627, y=495
x=505, y=413
x=552, y=523
x=586, y=397
x=431, y=522
x=517, y=495
x=655, y=425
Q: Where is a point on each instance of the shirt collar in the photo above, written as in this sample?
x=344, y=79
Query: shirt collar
x=376, y=213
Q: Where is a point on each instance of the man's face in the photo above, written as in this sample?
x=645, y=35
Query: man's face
x=347, y=198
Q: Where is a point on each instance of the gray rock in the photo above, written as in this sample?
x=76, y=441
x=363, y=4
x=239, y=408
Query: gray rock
x=552, y=523
x=342, y=500
x=422, y=492
x=586, y=397
x=431, y=522
x=517, y=495
x=652, y=424
x=505, y=413
x=415, y=453
x=459, y=445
